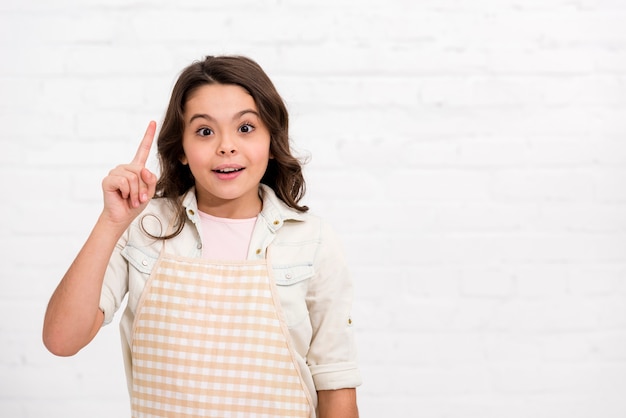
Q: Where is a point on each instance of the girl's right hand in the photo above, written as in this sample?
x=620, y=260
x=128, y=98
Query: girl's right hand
x=129, y=187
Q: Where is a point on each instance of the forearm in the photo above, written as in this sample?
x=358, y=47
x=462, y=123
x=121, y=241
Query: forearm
x=339, y=403
x=73, y=316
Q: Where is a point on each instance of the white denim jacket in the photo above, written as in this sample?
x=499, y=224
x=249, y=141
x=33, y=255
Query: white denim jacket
x=314, y=286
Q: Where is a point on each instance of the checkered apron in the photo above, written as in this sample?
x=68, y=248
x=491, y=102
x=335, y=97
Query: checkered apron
x=209, y=341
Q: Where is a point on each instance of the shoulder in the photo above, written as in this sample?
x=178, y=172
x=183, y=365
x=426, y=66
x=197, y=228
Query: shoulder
x=293, y=225
x=310, y=228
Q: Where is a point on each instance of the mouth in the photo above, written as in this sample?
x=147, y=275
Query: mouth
x=228, y=170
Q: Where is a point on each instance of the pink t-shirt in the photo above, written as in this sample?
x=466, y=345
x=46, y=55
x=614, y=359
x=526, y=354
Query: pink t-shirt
x=224, y=238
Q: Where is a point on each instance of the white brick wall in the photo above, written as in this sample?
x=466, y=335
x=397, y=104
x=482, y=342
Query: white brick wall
x=471, y=154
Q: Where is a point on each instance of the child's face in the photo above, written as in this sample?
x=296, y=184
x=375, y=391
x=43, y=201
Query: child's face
x=227, y=148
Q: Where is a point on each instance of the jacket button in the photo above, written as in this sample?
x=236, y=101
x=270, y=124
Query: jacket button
x=191, y=212
x=144, y=262
x=288, y=276
x=276, y=222
x=258, y=251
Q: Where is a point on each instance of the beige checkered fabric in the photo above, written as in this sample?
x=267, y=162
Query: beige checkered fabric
x=208, y=341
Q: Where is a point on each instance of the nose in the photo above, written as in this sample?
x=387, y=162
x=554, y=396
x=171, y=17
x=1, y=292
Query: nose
x=226, y=146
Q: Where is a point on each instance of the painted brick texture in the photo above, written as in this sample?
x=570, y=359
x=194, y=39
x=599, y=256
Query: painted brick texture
x=472, y=156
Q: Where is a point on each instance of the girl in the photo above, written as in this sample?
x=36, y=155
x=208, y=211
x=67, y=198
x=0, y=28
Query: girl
x=238, y=299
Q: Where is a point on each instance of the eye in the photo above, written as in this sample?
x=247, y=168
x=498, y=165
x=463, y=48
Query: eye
x=246, y=128
x=204, y=132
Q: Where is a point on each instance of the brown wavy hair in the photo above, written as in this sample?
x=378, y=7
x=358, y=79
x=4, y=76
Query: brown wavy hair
x=284, y=171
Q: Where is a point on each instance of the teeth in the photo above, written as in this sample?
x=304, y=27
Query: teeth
x=229, y=170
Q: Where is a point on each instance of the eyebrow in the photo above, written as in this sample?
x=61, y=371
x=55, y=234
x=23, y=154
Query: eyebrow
x=212, y=119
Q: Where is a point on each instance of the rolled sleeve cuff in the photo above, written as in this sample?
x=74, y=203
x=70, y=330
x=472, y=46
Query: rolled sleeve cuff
x=336, y=376
x=107, y=305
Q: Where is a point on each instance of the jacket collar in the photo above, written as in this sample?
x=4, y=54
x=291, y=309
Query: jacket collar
x=275, y=212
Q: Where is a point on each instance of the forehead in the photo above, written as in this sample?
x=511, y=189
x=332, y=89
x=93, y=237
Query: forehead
x=219, y=97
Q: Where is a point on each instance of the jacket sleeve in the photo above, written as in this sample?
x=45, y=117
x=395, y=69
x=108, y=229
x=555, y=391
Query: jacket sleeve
x=115, y=285
x=332, y=356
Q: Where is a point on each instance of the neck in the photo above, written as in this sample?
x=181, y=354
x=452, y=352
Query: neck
x=232, y=209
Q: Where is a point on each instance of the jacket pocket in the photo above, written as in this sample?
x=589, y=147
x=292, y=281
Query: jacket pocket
x=292, y=283
x=291, y=275
x=141, y=260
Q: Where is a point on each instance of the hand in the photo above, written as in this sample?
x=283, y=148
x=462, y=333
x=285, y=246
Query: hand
x=129, y=187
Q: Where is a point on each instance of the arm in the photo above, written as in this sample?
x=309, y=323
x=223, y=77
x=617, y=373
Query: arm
x=339, y=403
x=332, y=352
x=73, y=316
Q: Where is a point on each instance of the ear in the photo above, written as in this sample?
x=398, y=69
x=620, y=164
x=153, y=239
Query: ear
x=183, y=159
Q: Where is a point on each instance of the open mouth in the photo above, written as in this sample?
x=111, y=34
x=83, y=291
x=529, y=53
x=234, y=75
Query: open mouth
x=228, y=170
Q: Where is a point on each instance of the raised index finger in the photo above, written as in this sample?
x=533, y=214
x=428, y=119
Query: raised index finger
x=146, y=143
